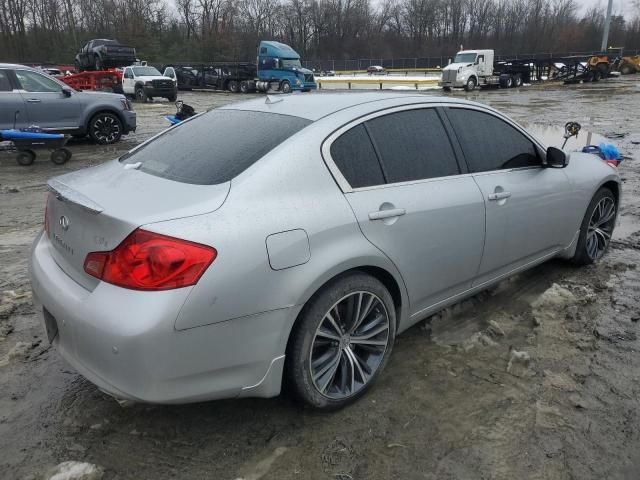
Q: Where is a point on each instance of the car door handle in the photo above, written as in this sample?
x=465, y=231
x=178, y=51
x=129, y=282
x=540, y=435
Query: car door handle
x=382, y=214
x=34, y=100
x=499, y=195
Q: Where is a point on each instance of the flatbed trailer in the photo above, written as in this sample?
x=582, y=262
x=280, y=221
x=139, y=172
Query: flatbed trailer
x=477, y=68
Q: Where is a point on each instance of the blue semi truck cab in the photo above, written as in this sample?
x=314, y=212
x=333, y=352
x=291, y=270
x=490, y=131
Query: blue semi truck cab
x=279, y=68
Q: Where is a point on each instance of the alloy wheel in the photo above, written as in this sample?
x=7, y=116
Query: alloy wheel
x=349, y=345
x=600, y=228
x=106, y=129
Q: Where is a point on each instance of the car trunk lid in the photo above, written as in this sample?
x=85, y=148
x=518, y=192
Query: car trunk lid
x=95, y=209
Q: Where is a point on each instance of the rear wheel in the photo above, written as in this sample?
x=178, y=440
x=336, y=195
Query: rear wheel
x=446, y=89
x=285, y=87
x=105, y=128
x=517, y=81
x=341, y=342
x=597, y=227
x=244, y=87
x=60, y=156
x=25, y=157
x=506, y=80
x=234, y=86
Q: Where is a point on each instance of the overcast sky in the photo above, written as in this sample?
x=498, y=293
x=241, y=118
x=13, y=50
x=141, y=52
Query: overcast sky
x=624, y=7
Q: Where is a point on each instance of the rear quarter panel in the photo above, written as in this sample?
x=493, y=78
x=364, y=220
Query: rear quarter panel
x=289, y=189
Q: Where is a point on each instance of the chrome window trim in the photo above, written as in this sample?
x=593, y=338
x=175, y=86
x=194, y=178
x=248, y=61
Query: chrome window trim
x=346, y=187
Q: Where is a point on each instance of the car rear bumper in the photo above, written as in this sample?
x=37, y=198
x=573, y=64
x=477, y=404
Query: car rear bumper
x=125, y=342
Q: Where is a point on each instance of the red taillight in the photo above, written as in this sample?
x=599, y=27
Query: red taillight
x=150, y=261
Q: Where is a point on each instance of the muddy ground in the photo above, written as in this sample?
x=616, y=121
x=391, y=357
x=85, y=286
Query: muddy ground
x=450, y=404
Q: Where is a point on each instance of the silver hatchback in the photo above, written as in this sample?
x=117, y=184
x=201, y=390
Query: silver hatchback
x=297, y=236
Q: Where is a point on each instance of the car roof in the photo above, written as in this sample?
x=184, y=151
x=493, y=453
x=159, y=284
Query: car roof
x=314, y=106
x=14, y=65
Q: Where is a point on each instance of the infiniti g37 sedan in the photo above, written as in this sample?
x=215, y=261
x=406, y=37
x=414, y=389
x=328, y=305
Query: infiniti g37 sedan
x=294, y=238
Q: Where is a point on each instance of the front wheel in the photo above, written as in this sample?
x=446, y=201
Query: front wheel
x=172, y=98
x=141, y=95
x=342, y=341
x=446, y=89
x=105, y=128
x=470, y=85
x=596, y=228
x=285, y=87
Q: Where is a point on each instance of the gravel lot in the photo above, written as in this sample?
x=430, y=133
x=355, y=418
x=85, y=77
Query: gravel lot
x=450, y=404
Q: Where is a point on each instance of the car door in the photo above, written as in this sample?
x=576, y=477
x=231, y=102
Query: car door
x=528, y=215
x=12, y=109
x=128, y=81
x=47, y=105
x=404, y=185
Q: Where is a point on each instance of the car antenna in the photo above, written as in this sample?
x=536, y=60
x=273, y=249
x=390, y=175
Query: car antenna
x=273, y=99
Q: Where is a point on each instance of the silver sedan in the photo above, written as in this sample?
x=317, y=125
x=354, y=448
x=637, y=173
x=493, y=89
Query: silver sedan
x=294, y=237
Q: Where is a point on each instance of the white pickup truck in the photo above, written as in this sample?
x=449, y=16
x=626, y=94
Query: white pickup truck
x=144, y=83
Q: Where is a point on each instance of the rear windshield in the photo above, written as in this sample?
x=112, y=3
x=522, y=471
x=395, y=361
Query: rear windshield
x=214, y=147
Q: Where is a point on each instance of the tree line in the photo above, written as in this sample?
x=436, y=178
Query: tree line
x=209, y=30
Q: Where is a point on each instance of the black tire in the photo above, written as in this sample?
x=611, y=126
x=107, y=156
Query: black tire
x=234, y=86
x=172, y=98
x=596, y=76
x=25, y=157
x=446, y=89
x=517, y=81
x=60, y=156
x=244, y=87
x=305, y=341
x=140, y=95
x=626, y=70
x=471, y=84
x=285, y=86
x=105, y=128
x=584, y=253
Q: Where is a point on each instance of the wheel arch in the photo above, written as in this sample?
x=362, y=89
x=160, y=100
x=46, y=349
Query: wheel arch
x=614, y=187
x=392, y=282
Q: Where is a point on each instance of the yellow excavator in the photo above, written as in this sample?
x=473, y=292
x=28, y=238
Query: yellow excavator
x=627, y=65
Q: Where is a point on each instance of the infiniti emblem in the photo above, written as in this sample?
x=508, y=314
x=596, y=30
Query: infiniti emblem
x=64, y=223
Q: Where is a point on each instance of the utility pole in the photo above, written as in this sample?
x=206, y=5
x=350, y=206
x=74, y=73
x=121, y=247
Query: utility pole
x=607, y=22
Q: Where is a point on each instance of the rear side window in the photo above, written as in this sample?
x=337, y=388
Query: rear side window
x=5, y=85
x=413, y=145
x=490, y=143
x=354, y=155
x=216, y=146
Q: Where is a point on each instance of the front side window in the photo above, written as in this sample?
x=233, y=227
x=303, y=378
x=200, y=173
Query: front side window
x=490, y=143
x=353, y=154
x=413, y=145
x=35, y=82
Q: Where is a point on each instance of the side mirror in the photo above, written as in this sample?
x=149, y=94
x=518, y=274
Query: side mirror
x=66, y=91
x=556, y=158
